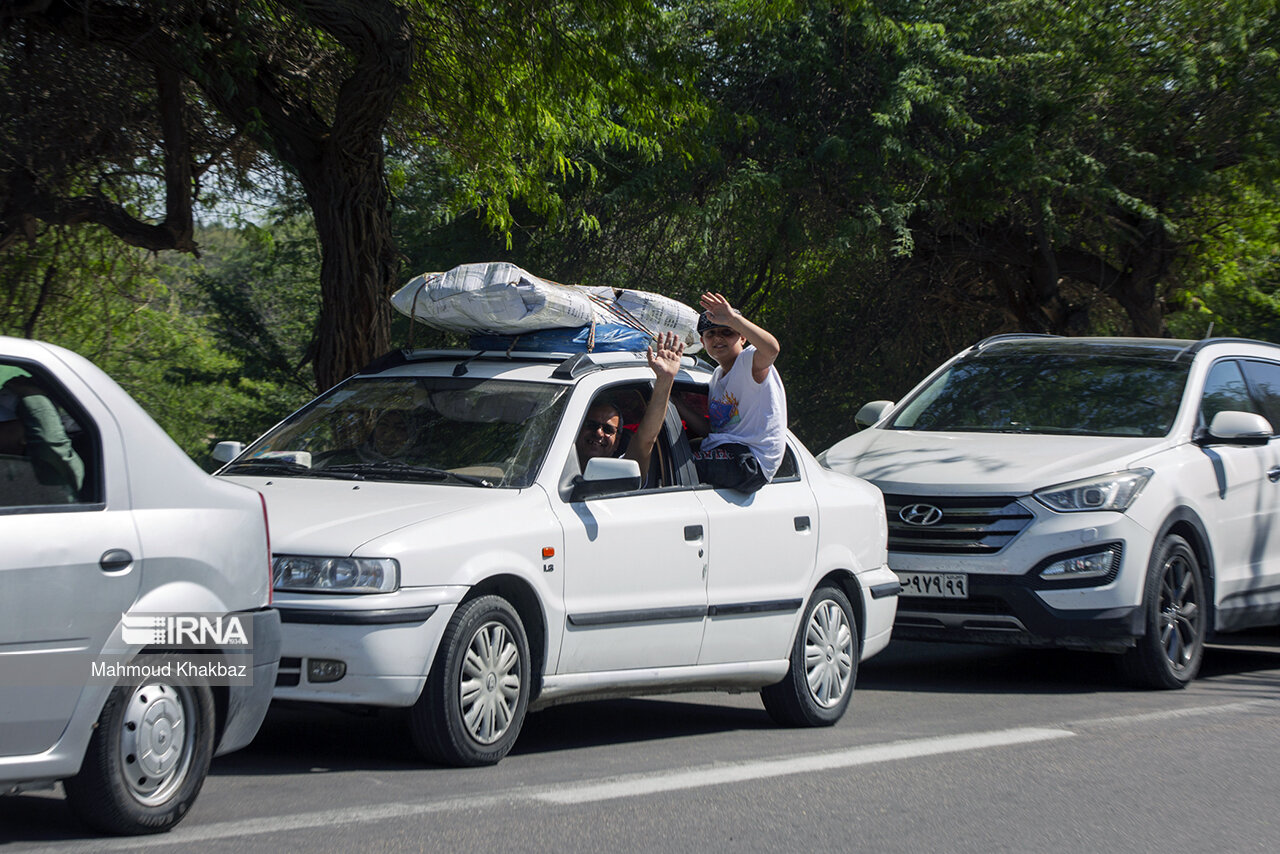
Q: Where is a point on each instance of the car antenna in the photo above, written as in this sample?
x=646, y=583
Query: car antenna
x=1208, y=333
x=461, y=368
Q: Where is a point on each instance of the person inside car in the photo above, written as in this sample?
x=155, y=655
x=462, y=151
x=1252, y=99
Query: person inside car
x=602, y=435
x=32, y=425
x=746, y=425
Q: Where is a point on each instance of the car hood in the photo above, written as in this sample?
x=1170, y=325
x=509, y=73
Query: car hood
x=903, y=460
x=312, y=516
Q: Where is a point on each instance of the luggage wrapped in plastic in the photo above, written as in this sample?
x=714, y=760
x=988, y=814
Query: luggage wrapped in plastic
x=500, y=299
x=492, y=297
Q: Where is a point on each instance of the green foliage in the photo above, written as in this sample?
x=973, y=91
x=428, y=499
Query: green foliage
x=879, y=184
x=139, y=320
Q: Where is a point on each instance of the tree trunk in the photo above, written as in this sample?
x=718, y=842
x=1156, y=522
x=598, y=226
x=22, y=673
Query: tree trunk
x=358, y=263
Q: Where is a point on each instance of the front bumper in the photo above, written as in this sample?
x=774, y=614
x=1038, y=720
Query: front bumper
x=1009, y=603
x=386, y=644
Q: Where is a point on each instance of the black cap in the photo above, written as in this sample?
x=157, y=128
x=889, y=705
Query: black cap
x=705, y=323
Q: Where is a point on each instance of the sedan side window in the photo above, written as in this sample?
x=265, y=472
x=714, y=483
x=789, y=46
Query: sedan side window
x=46, y=453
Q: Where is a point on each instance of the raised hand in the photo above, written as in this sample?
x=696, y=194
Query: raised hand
x=718, y=309
x=664, y=355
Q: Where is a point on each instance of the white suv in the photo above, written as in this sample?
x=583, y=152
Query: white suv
x=436, y=547
x=1114, y=494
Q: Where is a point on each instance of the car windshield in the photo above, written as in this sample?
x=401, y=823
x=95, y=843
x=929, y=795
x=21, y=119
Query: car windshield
x=478, y=432
x=1060, y=393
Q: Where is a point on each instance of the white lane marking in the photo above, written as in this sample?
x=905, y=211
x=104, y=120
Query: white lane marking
x=1171, y=714
x=644, y=784
x=605, y=789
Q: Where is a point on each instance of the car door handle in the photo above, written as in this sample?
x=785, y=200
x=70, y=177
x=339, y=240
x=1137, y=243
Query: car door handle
x=802, y=523
x=692, y=533
x=1273, y=474
x=114, y=559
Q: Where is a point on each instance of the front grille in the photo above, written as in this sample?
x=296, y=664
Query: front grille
x=976, y=525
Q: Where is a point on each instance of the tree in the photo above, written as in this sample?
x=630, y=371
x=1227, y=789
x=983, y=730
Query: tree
x=497, y=95
x=138, y=319
x=1108, y=140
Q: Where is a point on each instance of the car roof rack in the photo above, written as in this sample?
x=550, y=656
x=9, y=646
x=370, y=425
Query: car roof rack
x=1204, y=342
x=1012, y=336
x=568, y=365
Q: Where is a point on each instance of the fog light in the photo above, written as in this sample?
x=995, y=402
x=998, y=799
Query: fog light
x=1081, y=566
x=325, y=670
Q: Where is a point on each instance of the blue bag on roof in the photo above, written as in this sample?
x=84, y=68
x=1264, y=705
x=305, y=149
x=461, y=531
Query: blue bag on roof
x=607, y=338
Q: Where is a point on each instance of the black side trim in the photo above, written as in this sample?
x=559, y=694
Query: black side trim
x=386, y=616
x=651, y=615
x=880, y=591
x=755, y=607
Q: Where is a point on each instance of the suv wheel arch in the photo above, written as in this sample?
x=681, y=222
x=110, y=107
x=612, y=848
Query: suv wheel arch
x=1186, y=523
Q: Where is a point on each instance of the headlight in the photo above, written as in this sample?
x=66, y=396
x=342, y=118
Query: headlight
x=335, y=574
x=1108, y=492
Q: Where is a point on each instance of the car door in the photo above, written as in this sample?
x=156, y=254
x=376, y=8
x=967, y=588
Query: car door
x=68, y=567
x=1263, y=379
x=762, y=552
x=634, y=578
x=1241, y=495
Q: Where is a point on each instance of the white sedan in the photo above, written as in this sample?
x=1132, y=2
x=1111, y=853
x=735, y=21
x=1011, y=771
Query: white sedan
x=437, y=547
x=108, y=527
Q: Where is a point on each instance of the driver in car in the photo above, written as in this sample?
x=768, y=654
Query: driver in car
x=600, y=435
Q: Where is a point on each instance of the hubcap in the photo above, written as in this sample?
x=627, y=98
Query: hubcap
x=1180, y=617
x=490, y=684
x=828, y=654
x=155, y=743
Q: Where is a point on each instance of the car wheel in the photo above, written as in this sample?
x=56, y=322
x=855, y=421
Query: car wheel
x=476, y=695
x=1174, y=612
x=147, y=758
x=824, y=664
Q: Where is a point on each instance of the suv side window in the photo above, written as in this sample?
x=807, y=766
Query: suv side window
x=1263, y=379
x=48, y=455
x=1224, y=390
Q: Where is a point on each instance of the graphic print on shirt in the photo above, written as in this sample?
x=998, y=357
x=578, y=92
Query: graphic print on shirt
x=723, y=412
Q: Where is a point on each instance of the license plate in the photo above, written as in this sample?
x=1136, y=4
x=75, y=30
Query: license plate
x=935, y=585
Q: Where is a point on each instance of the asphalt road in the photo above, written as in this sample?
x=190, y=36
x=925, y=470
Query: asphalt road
x=944, y=749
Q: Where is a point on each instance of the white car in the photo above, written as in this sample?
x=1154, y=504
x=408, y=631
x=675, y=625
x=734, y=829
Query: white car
x=1113, y=494
x=107, y=528
x=436, y=547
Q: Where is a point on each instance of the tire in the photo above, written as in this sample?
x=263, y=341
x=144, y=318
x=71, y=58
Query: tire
x=477, y=693
x=1175, y=616
x=147, y=758
x=824, y=664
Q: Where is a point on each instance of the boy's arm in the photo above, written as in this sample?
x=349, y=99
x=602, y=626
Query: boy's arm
x=665, y=361
x=767, y=347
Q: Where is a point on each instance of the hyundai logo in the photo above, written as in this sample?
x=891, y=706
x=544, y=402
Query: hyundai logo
x=920, y=514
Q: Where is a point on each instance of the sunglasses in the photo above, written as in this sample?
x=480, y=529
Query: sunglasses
x=720, y=332
x=590, y=426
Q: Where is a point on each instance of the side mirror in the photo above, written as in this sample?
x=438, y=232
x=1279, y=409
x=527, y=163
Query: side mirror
x=1236, y=428
x=225, y=452
x=872, y=412
x=604, y=476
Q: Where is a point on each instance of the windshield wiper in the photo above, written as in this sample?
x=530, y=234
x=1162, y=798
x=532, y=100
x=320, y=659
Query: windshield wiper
x=269, y=465
x=405, y=470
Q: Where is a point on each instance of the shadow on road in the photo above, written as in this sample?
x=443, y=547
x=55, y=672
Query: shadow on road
x=1247, y=658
